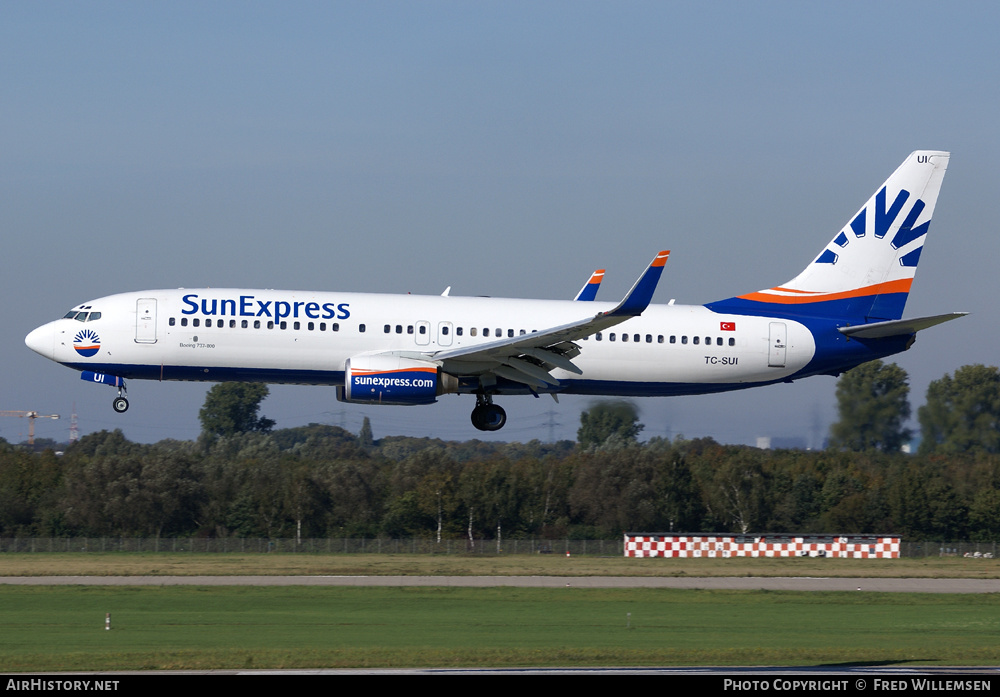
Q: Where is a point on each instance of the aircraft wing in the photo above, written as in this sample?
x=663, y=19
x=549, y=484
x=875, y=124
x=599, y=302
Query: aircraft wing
x=528, y=358
x=897, y=327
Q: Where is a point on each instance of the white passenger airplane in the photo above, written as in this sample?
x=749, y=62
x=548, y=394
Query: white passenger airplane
x=844, y=309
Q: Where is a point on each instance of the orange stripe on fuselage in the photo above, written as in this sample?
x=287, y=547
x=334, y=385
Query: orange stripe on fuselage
x=900, y=286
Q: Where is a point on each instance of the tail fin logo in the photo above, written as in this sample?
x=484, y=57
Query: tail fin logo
x=866, y=271
x=884, y=218
x=87, y=343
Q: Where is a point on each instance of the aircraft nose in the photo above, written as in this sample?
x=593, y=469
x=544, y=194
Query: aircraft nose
x=42, y=341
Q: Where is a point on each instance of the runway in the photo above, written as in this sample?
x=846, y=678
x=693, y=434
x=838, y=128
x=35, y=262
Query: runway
x=871, y=585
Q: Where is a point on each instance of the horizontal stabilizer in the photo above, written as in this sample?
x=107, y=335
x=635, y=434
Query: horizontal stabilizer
x=897, y=327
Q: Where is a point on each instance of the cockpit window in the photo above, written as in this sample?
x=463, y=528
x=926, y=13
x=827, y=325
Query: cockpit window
x=82, y=316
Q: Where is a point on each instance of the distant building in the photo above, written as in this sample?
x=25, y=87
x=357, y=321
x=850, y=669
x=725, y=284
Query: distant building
x=782, y=443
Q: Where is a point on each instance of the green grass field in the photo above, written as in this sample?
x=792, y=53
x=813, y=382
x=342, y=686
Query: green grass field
x=169, y=627
x=231, y=564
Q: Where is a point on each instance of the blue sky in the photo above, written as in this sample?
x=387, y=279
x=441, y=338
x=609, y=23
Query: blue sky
x=501, y=148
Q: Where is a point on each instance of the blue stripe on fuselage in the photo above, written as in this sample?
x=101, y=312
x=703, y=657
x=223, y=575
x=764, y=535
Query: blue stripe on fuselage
x=215, y=374
x=853, y=311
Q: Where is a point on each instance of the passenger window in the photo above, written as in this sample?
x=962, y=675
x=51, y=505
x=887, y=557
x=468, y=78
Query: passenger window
x=172, y=321
x=598, y=336
x=195, y=322
x=510, y=333
x=399, y=328
x=386, y=329
x=673, y=338
x=322, y=326
x=256, y=325
x=708, y=341
x=624, y=337
x=409, y=329
x=310, y=326
x=245, y=323
x=335, y=326
x=696, y=340
x=208, y=323
x=232, y=324
x=732, y=341
x=611, y=336
x=718, y=341
x=458, y=331
x=284, y=324
x=635, y=338
x=649, y=338
x=486, y=331
x=296, y=326
x=472, y=331
x=361, y=328
x=684, y=339
x=423, y=329
x=499, y=333
x=522, y=332
x=444, y=330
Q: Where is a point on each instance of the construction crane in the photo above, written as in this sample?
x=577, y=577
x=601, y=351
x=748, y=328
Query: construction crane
x=30, y=416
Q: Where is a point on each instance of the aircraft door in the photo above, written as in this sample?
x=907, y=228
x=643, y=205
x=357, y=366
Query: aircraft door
x=423, y=333
x=777, y=346
x=145, y=321
x=445, y=332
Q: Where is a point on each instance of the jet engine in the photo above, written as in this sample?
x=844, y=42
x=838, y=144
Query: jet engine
x=391, y=379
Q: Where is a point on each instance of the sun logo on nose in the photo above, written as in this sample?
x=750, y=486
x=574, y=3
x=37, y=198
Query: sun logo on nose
x=87, y=343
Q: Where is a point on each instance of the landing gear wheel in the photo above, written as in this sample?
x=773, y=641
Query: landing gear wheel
x=489, y=417
x=120, y=405
x=495, y=417
x=477, y=418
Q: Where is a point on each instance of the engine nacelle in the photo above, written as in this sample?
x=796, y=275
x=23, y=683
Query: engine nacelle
x=389, y=379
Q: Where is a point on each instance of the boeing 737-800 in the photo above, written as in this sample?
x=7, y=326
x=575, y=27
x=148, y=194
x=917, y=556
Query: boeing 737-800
x=844, y=309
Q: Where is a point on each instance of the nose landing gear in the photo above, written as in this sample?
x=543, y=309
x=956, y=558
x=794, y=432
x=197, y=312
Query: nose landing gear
x=488, y=416
x=120, y=404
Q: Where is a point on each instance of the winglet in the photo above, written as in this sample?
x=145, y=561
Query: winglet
x=639, y=297
x=589, y=290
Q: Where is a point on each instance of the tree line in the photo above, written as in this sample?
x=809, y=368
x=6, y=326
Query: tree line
x=243, y=478
x=961, y=413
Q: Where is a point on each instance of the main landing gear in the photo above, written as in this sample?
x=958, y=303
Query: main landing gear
x=488, y=416
x=120, y=404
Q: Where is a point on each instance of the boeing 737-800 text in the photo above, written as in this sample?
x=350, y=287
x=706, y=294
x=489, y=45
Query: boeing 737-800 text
x=844, y=309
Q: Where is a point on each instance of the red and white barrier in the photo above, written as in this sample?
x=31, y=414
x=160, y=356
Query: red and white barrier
x=725, y=546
